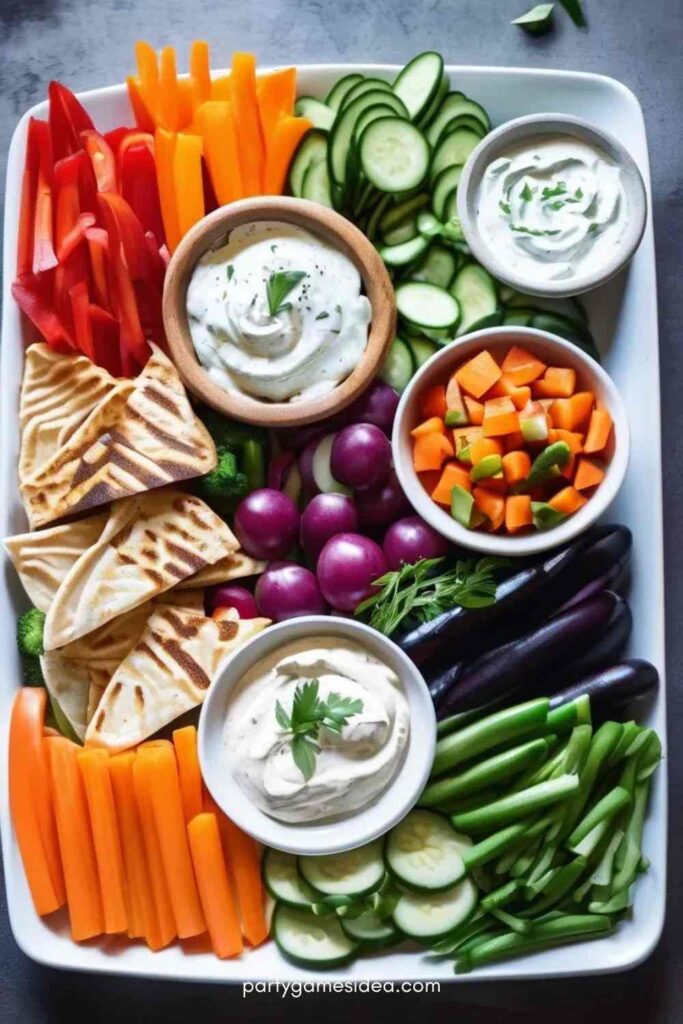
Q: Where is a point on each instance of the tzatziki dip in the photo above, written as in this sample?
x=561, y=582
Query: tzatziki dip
x=316, y=730
x=552, y=208
x=277, y=313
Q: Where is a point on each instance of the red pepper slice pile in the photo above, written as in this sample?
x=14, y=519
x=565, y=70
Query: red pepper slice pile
x=91, y=253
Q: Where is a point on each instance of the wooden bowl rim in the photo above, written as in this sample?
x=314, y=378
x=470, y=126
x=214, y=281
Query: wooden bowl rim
x=321, y=221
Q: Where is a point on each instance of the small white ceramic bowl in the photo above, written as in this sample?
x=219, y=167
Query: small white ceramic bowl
x=553, y=351
x=392, y=804
x=532, y=126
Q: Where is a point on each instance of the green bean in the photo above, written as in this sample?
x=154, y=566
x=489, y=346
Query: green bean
x=485, y=773
x=564, y=718
x=502, y=895
x=649, y=757
x=543, y=862
x=603, y=811
x=526, y=859
x=487, y=733
x=469, y=803
x=629, y=732
x=559, y=885
x=545, y=935
x=515, y=806
x=540, y=884
x=602, y=875
x=458, y=721
x=577, y=749
x=530, y=837
x=517, y=924
x=628, y=855
x=614, y=905
x=604, y=742
x=491, y=847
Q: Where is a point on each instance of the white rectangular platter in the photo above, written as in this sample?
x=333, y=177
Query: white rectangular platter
x=623, y=316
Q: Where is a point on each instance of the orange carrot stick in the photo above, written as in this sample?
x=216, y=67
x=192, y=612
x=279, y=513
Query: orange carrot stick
x=148, y=77
x=166, y=925
x=164, y=151
x=75, y=840
x=167, y=807
x=214, y=885
x=94, y=766
x=220, y=88
x=276, y=94
x=187, y=180
x=169, y=100
x=143, y=117
x=189, y=773
x=30, y=801
x=142, y=921
x=280, y=148
x=217, y=127
x=200, y=72
x=244, y=858
x=247, y=124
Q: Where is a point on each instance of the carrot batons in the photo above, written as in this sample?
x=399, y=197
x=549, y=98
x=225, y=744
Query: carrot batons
x=568, y=500
x=518, y=514
x=187, y=180
x=166, y=929
x=500, y=417
x=244, y=856
x=281, y=147
x=214, y=885
x=599, y=430
x=520, y=367
x=275, y=95
x=452, y=476
x=164, y=155
x=247, y=122
x=189, y=772
x=75, y=840
x=200, y=73
x=479, y=374
x=431, y=451
x=589, y=473
x=217, y=126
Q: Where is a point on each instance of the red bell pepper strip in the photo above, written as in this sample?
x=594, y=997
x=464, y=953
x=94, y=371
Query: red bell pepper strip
x=98, y=248
x=68, y=118
x=102, y=159
x=44, y=257
x=134, y=138
x=28, y=198
x=33, y=295
x=130, y=232
x=80, y=311
x=69, y=272
x=157, y=263
x=116, y=136
x=76, y=235
x=133, y=347
x=105, y=336
x=139, y=187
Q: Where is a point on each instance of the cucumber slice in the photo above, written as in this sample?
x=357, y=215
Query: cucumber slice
x=450, y=207
x=402, y=232
x=366, y=85
x=405, y=252
x=313, y=150
x=434, y=107
x=444, y=183
x=342, y=133
x=398, y=213
x=476, y=291
x=309, y=940
x=370, y=930
x=454, y=104
x=354, y=873
x=422, y=349
x=438, y=267
x=454, y=148
x=418, y=82
x=283, y=881
x=398, y=366
x=462, y=121
x=340, y=89
x=320, y=468
x=370, y=115
x=394, y=154
x=316, y=111
x=372, y=226
x=432, y=916
x=566, y=308
x=424, y=852
x=316, y=184
x=427, y=305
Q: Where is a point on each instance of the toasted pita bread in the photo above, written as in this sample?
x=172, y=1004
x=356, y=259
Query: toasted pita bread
x=143, y=434
x=149, y=544
x=167, y=673
x=43, y=559
x=58, y=393
x=234, y=567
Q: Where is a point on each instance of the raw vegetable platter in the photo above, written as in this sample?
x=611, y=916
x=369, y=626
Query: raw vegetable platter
x=623, y=317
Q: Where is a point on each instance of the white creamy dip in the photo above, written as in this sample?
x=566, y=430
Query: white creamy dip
x=352, y=767
x=301, y=347
x=552, y=208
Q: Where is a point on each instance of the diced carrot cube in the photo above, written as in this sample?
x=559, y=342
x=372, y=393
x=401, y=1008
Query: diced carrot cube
x=475, y=410
x=465, y=436
x=518, y=513
x=521, y=367
x=516, y=466
x=431, y=426
x=431, y=451
x=589, y=473
x=572, y=413
x=500, y=417
x=452, y=476
x=568, y=500
x=479, y=374
x=575, y=441
x=505, y=387
x=491, y=505
x=454, y=403
x=484, y=446
x=599, y=430
x=434, y=402
x=556, y=382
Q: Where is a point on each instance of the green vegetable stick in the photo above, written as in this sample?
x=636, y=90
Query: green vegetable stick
x=562, y=882
x=604, y=810
x=545, y=935
x=564, y=718
x=495, y=769
x=502, y=895
x=493, y=731
x=517, y=805
x=536, y=21
x=603, y=744
x=517, y=924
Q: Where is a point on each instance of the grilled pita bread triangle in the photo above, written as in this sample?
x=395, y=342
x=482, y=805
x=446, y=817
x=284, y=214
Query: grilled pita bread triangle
x=149, y=544
x=143, y=434
x=167, y=673
x=233, y=567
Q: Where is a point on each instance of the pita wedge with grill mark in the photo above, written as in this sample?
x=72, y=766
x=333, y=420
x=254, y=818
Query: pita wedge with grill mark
x=149, y=544
x=143, y=434
x=58, y=393
x=233, y=567
x=167, y=673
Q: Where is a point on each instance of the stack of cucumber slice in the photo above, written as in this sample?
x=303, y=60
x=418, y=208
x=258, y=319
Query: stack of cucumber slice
x=412, y=885
x=389, y=157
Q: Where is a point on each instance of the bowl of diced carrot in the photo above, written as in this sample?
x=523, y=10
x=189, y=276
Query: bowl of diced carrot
x=510, y=441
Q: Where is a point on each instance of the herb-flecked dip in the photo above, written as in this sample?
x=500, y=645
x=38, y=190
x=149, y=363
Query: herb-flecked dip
x=277, y=313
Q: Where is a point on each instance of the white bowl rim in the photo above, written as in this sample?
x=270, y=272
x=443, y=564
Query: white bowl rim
x=540, y=124
x=526, y=544
x=363, y=826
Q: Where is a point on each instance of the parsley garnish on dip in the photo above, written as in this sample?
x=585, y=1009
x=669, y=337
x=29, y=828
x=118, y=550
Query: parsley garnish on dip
x=316, y=730
x=277, y=313
x=552, y=208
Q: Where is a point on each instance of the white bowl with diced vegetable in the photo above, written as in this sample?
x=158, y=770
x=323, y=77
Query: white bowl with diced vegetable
x=554, y=352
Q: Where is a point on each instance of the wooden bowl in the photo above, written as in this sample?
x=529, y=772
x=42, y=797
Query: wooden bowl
x=331, y=227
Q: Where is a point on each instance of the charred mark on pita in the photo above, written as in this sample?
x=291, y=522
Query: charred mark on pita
x=184, y=555
x=155, y=576
x=100, y=719
x=227, y=630
x=185, y=628
x=161, y=398
x=176, y=570
x=144, y=648
x=192, y=669
x=139, y=698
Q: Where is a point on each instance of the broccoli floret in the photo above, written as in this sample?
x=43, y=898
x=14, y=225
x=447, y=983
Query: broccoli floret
x=229, y=434
x=30, y=632
x=31, y=672
x=225, y=481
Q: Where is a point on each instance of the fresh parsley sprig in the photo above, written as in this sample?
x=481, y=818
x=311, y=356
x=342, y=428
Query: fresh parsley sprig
x=307, y=716
x=279, y=285
x=418, y=590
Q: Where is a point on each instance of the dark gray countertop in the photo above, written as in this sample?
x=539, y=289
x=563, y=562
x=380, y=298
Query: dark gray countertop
x=89, y=43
